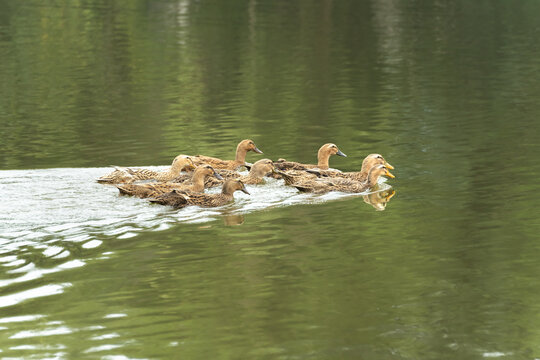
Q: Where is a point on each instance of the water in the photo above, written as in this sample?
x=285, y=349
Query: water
x=446, y=91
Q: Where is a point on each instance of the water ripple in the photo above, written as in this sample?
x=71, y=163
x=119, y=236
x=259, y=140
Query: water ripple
x=54, y=214
x=46, y=290
x=67, y=204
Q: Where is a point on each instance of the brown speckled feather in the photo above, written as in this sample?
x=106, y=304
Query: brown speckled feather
x=151, y=190
x=180, y=199
x=320, y=186
x=129, y=175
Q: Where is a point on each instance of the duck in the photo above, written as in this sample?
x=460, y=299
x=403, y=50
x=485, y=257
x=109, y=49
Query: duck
x=180, y=199
x=345, y=185
x=368, y=162
x=155, y=189
x=323, y=157
x=128, y=175
x=256, y=175
x=379, y=199
x=241, y=150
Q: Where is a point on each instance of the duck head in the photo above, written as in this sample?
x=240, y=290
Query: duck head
x=374, y=159
x=230, y=186
x=248, y=145
x=378, y=171
x=324, y=154
x=330, y=149
x=262, y=168
x=377, y=159
x=182, y=163
x=206, y=170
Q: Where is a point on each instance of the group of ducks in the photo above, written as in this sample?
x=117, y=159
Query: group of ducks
x=184, y=182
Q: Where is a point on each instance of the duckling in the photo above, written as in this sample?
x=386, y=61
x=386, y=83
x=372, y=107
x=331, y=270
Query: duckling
x=156, y=189
x=179, y=199
x=369, y=161
x=129, y=175
x=379, y=199
x=241, y=150
x=323, y=157
x=345, y=185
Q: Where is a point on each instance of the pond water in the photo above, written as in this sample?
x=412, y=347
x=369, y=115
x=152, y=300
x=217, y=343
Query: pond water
x=446, y=91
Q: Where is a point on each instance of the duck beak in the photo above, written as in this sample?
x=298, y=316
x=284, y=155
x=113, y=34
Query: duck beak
x=389, y=196
x=389, y=174
x=217, y=176
x=388, y=165
x=340, y=153
x=256, y=149
x=244, y=190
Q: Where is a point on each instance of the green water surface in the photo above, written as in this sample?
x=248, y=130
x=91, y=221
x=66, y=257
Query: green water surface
x=447, y=91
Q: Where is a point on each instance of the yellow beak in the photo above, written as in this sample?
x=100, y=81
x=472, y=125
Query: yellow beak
x=389, y=174
x=388, y=165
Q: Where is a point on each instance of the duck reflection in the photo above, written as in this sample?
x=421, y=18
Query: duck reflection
x=233, y=220
x=379, y=199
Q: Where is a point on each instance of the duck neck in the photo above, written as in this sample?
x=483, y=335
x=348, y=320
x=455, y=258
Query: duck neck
x=175, y=168
x=364, y=172
x=323, y=160
x=240, y=154
x=228, y=193
x=372, y=179
x=256, y=173
x=198, y=181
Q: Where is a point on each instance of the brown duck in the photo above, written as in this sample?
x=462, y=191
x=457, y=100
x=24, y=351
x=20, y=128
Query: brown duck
x=369, y=161
x=345, y=185
x=129, y=175
x=241, y=150
x=323, y=157
x=156, y=189
x=179, y=199
x=255, y=176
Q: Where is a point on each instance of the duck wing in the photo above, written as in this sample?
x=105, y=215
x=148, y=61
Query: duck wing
x=283, y=164
x=214, y=162
x=149, y=190
x=173, y=198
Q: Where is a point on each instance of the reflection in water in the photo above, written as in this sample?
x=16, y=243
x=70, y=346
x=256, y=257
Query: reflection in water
x=232, y=220
x=379, y=199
